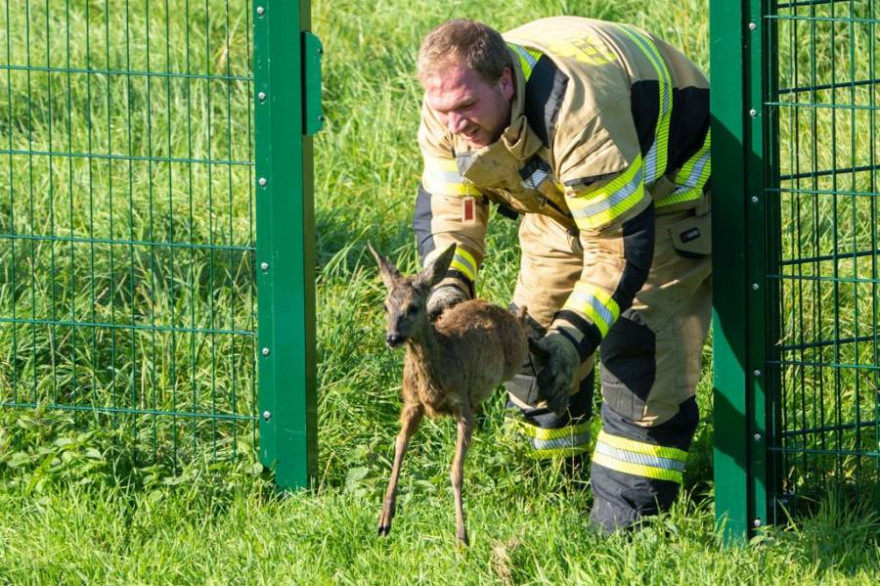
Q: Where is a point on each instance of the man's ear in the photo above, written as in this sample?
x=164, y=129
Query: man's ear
x=387, y=270
x=436, y=268
x=508, y=84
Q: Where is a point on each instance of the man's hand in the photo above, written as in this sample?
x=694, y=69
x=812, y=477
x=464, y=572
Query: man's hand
x=442, y=298
x=560, y=363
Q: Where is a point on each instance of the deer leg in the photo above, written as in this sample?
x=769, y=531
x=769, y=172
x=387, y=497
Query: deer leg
x=465, y=431
x=409, y=422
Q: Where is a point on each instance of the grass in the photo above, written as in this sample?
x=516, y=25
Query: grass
x=126, y=498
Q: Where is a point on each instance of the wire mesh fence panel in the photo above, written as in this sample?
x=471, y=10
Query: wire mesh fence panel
x=127, y=232
x=824, y=222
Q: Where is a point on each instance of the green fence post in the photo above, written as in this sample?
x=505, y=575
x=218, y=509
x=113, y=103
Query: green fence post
x=284, y=81
x=757, y=375
x=727, y=54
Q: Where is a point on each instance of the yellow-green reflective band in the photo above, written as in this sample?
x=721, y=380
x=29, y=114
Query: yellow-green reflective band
x=637, y=469
x=552, y=443
x=629, y=445
x=441, y=177
x=540, y=433
x=692, y=177
x=694, y=169
x=558, y=452
x=655, y=161
x=640, y=459
x=681, y=195
x=611, y=200
x=527, y=59
x=595, y=303
x=464, y=263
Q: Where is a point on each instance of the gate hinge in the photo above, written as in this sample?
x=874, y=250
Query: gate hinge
x=313, y=115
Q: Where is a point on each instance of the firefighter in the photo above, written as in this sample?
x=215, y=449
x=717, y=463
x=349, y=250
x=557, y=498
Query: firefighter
x=597, y=135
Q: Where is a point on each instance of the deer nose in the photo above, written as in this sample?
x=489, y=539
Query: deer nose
x=394, y=340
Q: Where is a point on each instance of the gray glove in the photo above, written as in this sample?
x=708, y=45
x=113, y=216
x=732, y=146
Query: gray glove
x=443, y=297
x=560, y=361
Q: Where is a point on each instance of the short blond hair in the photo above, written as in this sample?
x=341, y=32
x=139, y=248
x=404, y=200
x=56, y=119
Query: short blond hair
x=478, y=46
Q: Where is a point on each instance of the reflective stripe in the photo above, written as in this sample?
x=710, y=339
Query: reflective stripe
x=655, y=161
x=691, y=172
x=547, y=443
x=550, y=434
x=441, y=177
x=536, y=178
x=563, y=442
x=636, y=458
x=595, y=303
x=558, y=452
x=464, y=263
x=610, y=200
x=527, y=59
x=639, y=458
x=642, y=448
x=636, y=469
x=692, y=177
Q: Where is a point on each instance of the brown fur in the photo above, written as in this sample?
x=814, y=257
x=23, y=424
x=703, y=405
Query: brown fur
x=450, y=366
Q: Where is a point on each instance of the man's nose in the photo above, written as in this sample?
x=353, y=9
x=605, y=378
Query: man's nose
x=455, y=122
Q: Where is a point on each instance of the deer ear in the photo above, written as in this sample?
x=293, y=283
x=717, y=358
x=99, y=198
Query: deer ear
x=387, y=271
x=436, y=268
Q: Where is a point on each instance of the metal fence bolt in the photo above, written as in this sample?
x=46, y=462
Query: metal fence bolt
x=265, y=351
x=753, y=112
x=260, y=11
x=755, y=286
x=757, y=372
x=264, y=266
x=262, y=182
x=261, y=96
x=757, y=437
x=756, y=522
x=752, y=26
x=267, y=415
x=755, y=199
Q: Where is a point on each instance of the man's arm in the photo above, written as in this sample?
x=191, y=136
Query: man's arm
x=449, y=210
x=604, y=181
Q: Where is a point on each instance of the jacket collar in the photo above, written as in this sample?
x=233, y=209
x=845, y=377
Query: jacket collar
x=517, y=143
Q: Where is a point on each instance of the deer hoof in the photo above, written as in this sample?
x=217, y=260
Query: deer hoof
x=384, y=530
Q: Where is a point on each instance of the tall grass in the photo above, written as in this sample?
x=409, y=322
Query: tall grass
x=77, y=506
x=126, y=218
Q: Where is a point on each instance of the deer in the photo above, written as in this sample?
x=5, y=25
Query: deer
x=451, y=365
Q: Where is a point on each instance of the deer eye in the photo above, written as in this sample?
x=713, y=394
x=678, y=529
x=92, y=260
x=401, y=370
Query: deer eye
x=411, y=309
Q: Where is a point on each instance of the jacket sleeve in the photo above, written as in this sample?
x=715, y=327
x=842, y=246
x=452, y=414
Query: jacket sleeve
x=602, y=172
x=449, y=209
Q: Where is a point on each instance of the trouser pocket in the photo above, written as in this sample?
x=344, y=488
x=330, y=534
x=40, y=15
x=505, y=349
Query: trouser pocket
x=692, y=236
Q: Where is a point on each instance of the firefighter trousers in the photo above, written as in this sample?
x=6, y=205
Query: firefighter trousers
x=651, y=361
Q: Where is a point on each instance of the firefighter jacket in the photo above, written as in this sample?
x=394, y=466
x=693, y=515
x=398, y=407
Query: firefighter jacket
x=609, y=125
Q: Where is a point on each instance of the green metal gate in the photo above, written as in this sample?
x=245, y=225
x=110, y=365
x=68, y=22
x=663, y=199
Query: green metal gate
x=796, y=106
x=130, y=205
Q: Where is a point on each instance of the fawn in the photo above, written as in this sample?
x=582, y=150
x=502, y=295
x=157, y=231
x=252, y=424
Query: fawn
x=450, y=367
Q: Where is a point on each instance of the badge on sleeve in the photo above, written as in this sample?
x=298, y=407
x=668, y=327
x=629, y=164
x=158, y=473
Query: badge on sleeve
x=468, y=210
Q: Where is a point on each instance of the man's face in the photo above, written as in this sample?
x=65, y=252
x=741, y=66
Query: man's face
x=469, y=106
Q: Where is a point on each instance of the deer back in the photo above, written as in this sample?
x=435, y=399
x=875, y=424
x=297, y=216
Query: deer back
x=482, y=345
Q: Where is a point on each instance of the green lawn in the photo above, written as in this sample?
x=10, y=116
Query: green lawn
x=78, y=505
